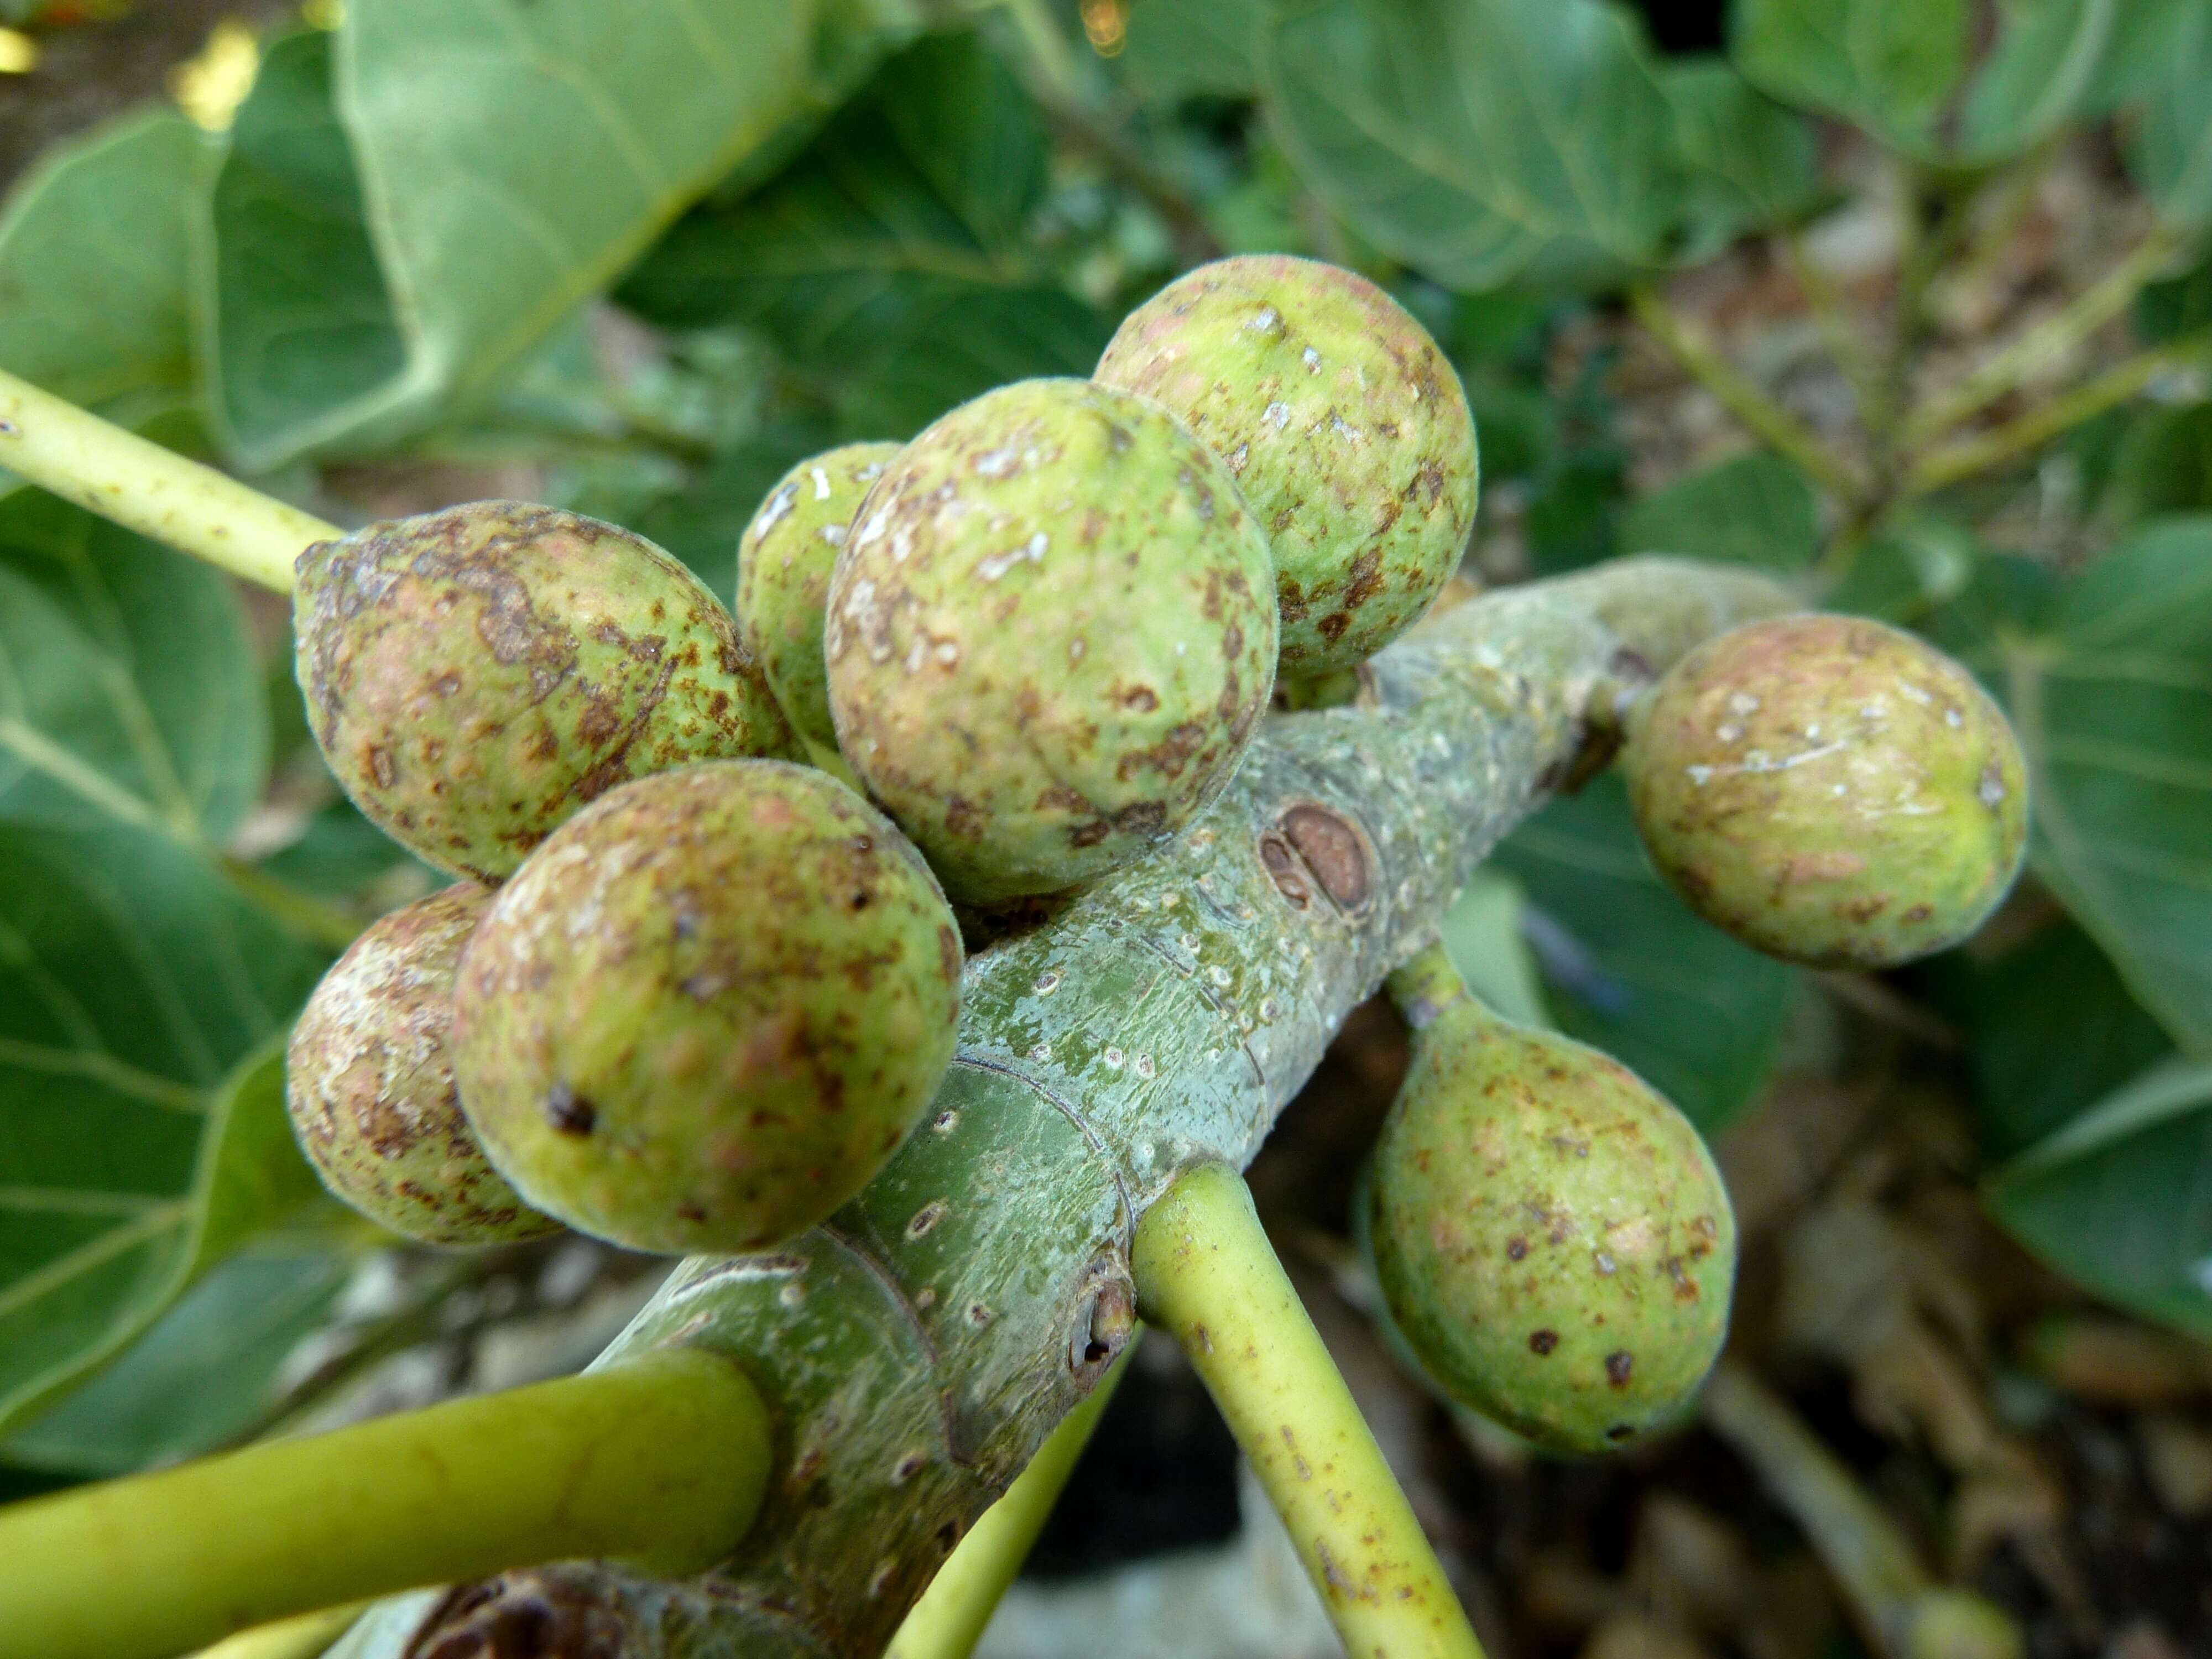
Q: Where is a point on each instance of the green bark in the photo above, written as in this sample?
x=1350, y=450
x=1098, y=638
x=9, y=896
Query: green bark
x=918, y=1349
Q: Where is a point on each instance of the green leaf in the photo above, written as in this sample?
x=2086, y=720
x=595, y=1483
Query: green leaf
x=1480, y=139
x=2164, y=464
x=303, y=334
x=2052, y=1030
x=2121, y=1200
x=1630, y=970
x=2109, y=683
x=2172, y=153
x=93, y=260
x=2148, y=39
x=132, y=982
x=890, y=263
x=1175, y=49
x=1912, y=566
x=1753, y=165
x=1755, y=508
x=512, y=156
x=128, y=689
x=2059, y=60
x=202, y=1375
x=1891, y=66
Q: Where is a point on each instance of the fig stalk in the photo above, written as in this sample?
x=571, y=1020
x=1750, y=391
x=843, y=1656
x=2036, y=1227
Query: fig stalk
x=661, y=1460
x=1206, y=1272
x=155, y=491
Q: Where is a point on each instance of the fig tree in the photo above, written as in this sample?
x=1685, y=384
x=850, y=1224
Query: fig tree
x=705, y=1011
x=1830, y=790
x=1050, y=635
x=1344, y=425
x=475, y=676
x=368, y=1080
x=784, y=562
x=1551, y=1236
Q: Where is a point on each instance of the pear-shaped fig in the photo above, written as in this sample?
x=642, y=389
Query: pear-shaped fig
x=1050, y=635
x=368, y=1080
x=707, y=1008
x=1551, y=1236
x=475, y=676
x=784, y=564
x=1829, y=790
x=1344, y=425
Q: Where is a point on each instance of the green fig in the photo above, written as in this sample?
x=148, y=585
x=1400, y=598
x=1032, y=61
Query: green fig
x=369, y=1080
x=1344, y=425
x=1552, y=1237
x=1050, y=635
x=475, y=676
x=708, y=1008
x=1830, y=790
x=784, y=563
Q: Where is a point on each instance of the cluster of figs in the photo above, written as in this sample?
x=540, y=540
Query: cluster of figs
x=693, y=986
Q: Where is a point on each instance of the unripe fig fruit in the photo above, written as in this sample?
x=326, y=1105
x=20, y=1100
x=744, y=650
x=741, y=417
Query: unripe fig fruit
x=784, y=562
x=1050, y=635
x=1830, y=790
x=707, y=1008
x=475, y=676
x=1552, y=1237
x=369, y=1080
x=1344, y=425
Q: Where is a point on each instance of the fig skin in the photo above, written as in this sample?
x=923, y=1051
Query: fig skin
x=369, y=1081
x=475, y=675
x=708, y=1008
x=784, y=563
x=1347, y=428
x=1830, y=790
x=1051, y=634
x=1551, y=1236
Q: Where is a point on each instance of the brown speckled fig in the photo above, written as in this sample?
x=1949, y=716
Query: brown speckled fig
x=368, y=1080
x=707, y=1008
x=1344, y=425
x=784, y=564
x=475, y=676
x=1050, y=635
x=1552, y=1237
x=1830, y=790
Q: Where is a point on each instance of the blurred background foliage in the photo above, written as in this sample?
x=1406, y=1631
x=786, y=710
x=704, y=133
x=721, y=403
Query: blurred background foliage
x=1905, y=299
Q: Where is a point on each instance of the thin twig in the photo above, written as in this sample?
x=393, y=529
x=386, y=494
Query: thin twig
x=1740, y=396
x=1048, y=68
x=1944, y=467
x=1837, y=327
x=2046, y=347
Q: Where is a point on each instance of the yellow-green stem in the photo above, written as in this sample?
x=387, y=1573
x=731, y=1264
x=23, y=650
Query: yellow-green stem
x=949, y=1619
x=1953, y=463
x=1206, y=1272
x=662, y=1459
x=1424, y=985
x=2045, y=348
x=143, y=487
x=307, y=1636
x=1740, y=395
